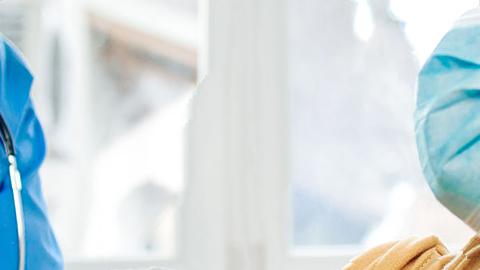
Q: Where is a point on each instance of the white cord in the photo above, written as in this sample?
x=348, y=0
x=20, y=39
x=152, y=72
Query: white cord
x=16, y=182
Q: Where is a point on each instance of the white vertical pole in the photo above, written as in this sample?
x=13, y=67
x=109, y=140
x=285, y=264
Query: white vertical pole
x=76, y=115
x=203, y=212
x=236, y=200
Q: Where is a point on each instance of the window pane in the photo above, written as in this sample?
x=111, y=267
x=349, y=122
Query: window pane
x=354, y=168
x=113, y=81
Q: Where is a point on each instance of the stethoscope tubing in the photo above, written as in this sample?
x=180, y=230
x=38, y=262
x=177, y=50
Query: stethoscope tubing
x=16, y=184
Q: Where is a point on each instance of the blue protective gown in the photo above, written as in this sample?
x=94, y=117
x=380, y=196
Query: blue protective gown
x=17, y=110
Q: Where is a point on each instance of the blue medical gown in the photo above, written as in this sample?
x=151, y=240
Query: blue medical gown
x=16, y=108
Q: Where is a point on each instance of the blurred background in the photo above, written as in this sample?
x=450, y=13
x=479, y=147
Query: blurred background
x=230, y=134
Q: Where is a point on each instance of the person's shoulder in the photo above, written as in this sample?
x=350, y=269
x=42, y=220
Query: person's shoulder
x=10, y=53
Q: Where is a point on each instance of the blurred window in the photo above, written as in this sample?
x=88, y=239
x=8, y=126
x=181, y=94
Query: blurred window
x=113, y=81
x=354, y=169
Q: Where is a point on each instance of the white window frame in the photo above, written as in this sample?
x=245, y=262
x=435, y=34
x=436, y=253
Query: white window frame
x=239, y=145
x=236, y=211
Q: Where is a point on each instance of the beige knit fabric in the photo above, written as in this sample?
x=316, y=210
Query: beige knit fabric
x=418, y=254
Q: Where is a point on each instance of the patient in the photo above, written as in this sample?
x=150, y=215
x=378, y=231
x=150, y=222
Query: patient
x=418, y=254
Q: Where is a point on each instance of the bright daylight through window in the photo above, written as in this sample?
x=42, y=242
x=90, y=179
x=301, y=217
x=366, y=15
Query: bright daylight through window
x=355, y=173
x=113, y=82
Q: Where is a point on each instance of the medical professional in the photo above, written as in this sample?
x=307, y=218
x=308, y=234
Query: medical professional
x=448, y=119
x=26, y=237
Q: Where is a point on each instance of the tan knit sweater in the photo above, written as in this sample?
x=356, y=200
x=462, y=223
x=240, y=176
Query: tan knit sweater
x=418, y=254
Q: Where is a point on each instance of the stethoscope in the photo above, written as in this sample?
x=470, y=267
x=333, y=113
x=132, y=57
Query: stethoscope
x=16, y=183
